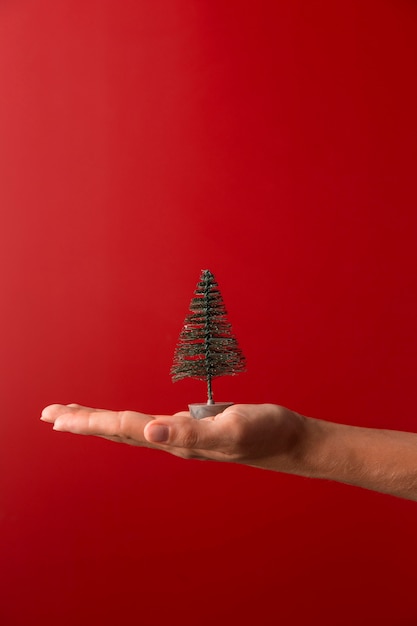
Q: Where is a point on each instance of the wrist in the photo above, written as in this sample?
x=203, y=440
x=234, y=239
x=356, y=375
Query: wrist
x=313, y=456
x=291, y=444
x=311, y=448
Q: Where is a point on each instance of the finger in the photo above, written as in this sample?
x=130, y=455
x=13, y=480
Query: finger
x=51, y=412
x=128, y=441
x=99, y=422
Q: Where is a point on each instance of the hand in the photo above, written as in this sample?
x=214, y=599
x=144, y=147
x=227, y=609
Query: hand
x=264, y=435
x=261, y=435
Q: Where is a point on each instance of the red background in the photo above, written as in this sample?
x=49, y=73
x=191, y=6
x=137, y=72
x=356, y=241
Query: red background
x=140, y=142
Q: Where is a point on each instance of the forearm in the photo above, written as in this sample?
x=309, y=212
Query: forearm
x=380, y=460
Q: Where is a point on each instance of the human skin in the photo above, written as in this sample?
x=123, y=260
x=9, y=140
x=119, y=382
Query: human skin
x=266, y=436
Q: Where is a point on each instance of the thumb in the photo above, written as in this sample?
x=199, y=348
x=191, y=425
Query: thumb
x=181, y=432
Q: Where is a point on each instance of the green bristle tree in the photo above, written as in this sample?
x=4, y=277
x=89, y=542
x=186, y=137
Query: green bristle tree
x=207, y=347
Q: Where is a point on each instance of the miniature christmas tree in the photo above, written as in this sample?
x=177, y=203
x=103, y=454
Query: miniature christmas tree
x=207, y=347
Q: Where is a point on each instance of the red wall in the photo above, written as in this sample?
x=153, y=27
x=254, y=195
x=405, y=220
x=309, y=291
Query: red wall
x=275, y=144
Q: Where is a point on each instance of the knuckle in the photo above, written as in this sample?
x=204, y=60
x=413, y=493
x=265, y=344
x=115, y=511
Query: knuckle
x=189, y=439
x=241, y=435
x=239, y=426
x=123, y=429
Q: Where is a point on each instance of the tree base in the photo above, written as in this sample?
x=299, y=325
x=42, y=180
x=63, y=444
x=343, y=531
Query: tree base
x=198, y=411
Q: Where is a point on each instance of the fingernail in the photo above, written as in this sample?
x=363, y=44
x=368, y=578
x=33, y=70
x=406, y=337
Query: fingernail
x=157, y=433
